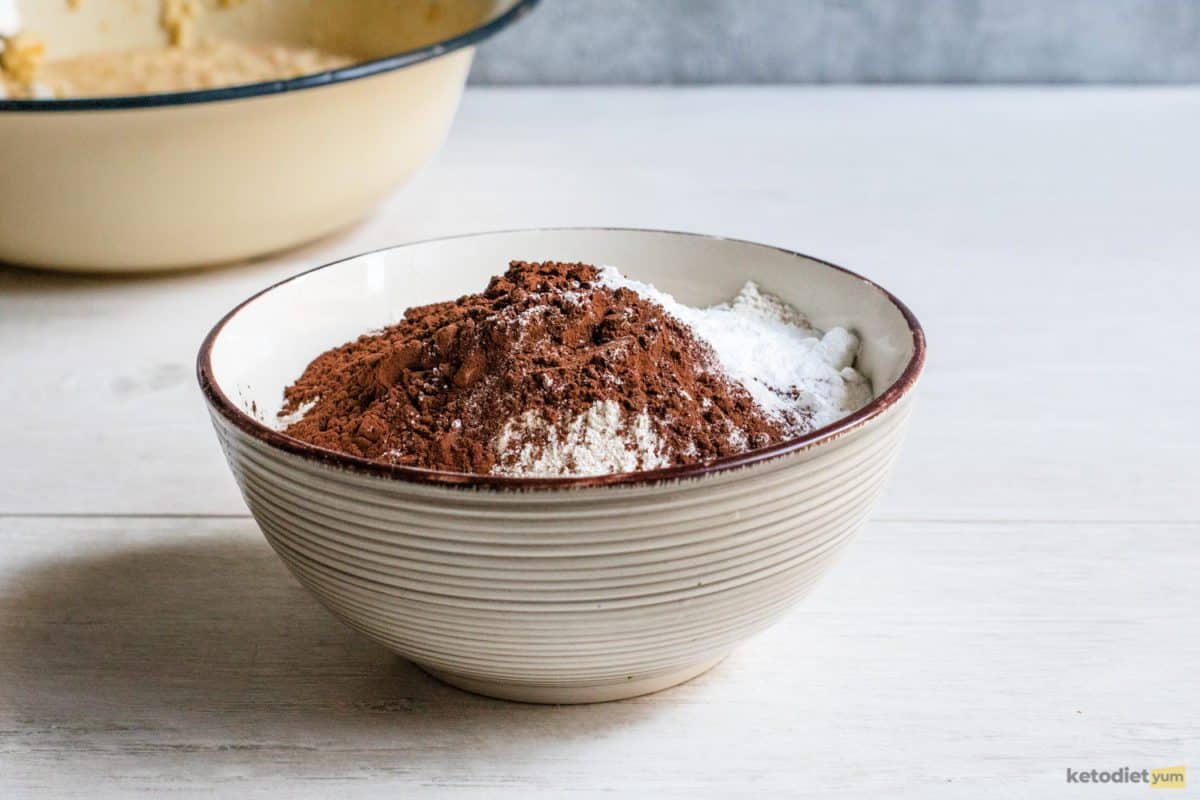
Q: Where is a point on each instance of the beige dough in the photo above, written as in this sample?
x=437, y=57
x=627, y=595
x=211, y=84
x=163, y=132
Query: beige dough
x=206, y=64
x=186, y=63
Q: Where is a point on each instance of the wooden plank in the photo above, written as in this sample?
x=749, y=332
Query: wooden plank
x=1046, y=237
x=938, y=660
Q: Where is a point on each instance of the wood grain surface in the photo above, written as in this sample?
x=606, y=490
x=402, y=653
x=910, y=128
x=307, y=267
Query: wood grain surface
x=1024, y=601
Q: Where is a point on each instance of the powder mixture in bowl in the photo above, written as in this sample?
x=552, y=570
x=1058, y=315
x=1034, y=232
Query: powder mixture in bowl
x=564, y=370
x=569, y=369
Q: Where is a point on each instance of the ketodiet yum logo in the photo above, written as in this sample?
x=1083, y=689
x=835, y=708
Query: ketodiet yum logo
x=1161, y=778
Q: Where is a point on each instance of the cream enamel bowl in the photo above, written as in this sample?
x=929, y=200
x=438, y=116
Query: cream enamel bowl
x=166, y=181
x=560, y=590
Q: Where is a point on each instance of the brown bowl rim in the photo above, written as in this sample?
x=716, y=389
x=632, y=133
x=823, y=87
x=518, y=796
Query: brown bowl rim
x=252, y=427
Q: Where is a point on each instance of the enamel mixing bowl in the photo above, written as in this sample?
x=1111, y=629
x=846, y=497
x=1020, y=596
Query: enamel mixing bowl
x=163, y=181
x=555, y=590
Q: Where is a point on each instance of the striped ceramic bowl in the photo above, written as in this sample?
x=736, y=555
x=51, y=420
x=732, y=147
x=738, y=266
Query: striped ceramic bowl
x=555, y=590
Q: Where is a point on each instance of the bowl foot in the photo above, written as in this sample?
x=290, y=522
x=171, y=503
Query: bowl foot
x=569, y=695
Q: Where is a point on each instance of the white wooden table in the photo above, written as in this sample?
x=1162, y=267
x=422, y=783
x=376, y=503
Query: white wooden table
x=1024, y=601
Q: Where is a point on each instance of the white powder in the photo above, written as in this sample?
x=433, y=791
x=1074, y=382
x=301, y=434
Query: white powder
x=796, y=373
x=282, y=421
x=595, y=443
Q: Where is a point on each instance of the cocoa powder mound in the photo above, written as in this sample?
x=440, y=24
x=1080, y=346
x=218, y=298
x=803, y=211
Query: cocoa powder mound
x=545, y=341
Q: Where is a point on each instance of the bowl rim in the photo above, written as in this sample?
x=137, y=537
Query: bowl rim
x=362, y=69
x=219, y=401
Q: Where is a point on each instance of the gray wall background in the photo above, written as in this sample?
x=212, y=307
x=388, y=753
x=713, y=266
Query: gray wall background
x=847, y=41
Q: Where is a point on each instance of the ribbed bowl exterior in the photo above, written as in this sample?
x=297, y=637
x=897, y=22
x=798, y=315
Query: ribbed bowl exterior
x=573, y=595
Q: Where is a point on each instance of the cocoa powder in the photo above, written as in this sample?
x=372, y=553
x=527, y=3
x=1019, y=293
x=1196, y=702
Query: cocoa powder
x=545, y=341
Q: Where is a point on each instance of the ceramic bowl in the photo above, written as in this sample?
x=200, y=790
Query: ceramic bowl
x=165, y=181
x=555, y=590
